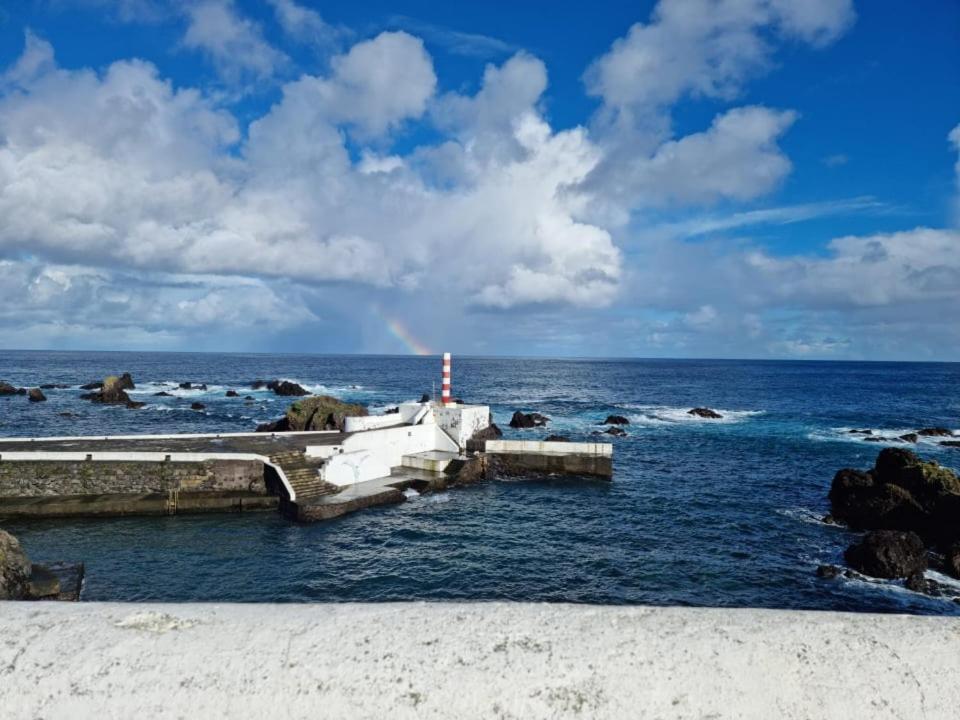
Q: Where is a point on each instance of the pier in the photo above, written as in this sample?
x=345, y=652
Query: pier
x=308, y=476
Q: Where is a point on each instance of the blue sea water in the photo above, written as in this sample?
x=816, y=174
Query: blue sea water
x=700, y=512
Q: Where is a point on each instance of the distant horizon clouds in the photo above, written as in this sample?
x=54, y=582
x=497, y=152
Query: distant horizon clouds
x=692, y=178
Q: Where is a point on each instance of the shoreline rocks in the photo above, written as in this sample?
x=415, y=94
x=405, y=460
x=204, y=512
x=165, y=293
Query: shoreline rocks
x=524, y=421
x=705, y=412
x=317, y=412
x=21, y=579
x=36, y=395
x=283, y=388
x=615, y=420
x=113, y=392
x=904, y=503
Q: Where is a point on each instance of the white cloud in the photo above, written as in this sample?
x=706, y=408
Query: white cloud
x=302, y=23
x=954, y=138
x=705, y=48
x=233, y=43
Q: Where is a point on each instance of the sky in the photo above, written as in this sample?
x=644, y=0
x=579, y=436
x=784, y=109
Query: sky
x=682, y=178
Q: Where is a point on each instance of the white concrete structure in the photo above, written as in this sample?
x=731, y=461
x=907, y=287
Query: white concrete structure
x=495, y=447
x=350, y=468
x=460, y=422
x=485, y=660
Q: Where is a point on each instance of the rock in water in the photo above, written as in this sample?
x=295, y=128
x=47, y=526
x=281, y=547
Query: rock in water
x=197, y=406
x=705, y=412
x=490, y=432
x=36, y=395
x=909, y=437
x=285, y=388
x=616, y=432
x=888, y=554
x=615, y=420
x=317, y=412
x=92, y=386
x=528, y=420
x=556, y=438
x=14, y=569
x=112, y=392
x=935, y=432
x=8, y=389
x=231, y=393
x=126, y=382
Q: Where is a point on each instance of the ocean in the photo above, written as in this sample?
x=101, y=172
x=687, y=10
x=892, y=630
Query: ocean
x=700, y=512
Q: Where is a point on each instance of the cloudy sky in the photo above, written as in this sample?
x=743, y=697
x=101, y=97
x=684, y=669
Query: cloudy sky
x=682, y=178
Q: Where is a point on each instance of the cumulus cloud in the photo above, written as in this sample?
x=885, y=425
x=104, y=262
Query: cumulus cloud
x=233, y=43
x=303, y=24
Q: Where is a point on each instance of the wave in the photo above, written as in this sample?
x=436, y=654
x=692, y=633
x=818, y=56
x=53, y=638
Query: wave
x=882, y=437
x=653, y=415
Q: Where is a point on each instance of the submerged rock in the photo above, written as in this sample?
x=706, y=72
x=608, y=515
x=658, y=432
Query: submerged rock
x=909, y=437
x=705, y=412
x=888, y=554
x=615, y=420
x=36, y=395
x=616, y=432
x=829, y=572
x=14, y=569
x=556, y=438
x=317, y=412
x=950, y=443
x=860, y=432
x=96, y=385
x=162, y=393
x=528, y=420
x=231, y=393
x=8, y=389
x=935, y=432
x=197, y=406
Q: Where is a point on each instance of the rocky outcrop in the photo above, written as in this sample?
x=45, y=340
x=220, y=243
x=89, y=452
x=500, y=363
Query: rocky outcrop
x=113, y=392
x=197, y=406
x=616, y=432
x=231, y=393
x=935, y=432
x=317, y=412
x=528, y=420
x=490, y=432
x=615, y=420
x=284, y=388
x=705, y=412
x=162, y=393
x=888, y=554
x=14, y=569
x=36, y=395
x=8, y=389
x=901, y=493
x=191, y=386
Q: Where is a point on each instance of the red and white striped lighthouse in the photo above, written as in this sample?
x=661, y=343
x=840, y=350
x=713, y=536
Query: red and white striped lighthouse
x=445, y=391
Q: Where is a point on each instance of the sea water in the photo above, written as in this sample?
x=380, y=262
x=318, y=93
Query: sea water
x=700, y=512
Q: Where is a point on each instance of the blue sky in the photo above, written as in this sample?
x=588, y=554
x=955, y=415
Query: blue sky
x=688, y=178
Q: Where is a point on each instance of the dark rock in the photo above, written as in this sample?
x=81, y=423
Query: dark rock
x=829, y=519
x=68, y=415
x=935, y=432
x=950, y=443
x=162, y=393
x=317, y=412
x=8, y=389
x=92, y=386
x=126, y=382
x=53, y=386
x=857, y=499
x=490, y=432
x=705, y=413
x=909, y=437
x=918, y=583
x=528, y=420
x=860, y=432
x=556, y=438
x=285, y=388
x=951, y=560
x=135, y=404
x=888, y=554
x=231, y=393
x=249, y=398
x=186, y=386
x=615, y=420
x=391, y=411
x=615, y=431
x=829, y=572
x=36, y=395
x=197, y=406
x=14, y=569
x=44, y=585
x=873, y=439
x=112, y=392
x=425, y=398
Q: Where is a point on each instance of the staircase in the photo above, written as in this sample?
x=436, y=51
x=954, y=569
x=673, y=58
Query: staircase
x=303, y=476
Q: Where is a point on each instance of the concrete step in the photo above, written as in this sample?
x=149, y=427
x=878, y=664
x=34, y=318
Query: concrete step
x=432, y=460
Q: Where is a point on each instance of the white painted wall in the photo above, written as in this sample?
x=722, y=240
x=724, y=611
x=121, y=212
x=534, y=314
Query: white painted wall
x=389, y=445
x=350, y=468
x=559, y=448
x=461, y=421
x=371, y=422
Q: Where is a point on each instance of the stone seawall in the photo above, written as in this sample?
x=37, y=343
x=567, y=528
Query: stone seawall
x=44, y=488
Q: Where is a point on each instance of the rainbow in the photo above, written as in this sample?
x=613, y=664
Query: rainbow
x=401, y=332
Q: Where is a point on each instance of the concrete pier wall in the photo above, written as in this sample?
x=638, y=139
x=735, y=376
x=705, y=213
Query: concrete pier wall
x=463, y=660
x=63, y=487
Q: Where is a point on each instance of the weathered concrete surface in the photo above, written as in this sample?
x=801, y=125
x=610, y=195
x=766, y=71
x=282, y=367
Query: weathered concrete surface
x=487, y=660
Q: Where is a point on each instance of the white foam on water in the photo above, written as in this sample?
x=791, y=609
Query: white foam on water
x=410, y=494
x=885, y=437
x=658, y=415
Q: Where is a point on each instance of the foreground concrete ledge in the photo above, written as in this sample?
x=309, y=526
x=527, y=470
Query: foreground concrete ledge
x=474, y=660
